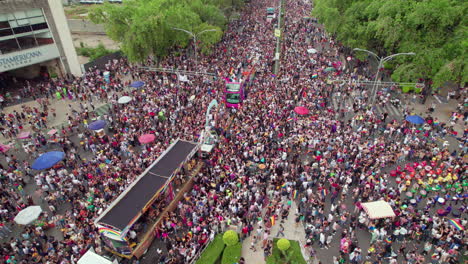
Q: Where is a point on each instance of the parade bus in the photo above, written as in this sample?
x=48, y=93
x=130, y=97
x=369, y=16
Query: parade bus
x=234, y=94
x=146, y=202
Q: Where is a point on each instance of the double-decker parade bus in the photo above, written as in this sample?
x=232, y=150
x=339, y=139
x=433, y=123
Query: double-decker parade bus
x=234, y=94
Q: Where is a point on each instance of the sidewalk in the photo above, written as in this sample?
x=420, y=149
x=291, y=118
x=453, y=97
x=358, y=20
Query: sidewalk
x=291, y=232
x=442, y=112
x=62, y=110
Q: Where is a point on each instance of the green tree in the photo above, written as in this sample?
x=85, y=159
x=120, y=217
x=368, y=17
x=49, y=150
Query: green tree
x=436, y=30
x=145, y=27
x=230, y=238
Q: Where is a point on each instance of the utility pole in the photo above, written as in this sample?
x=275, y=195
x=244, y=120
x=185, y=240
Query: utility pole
x=278, y=38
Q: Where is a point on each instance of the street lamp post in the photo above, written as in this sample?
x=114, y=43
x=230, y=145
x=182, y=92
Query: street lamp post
x=194, y=36
x=381, y=63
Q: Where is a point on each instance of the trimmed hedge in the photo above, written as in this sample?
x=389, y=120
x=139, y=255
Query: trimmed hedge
x=230, y=238
x=294, y=251
x=213, y=251
x=407, y=89
x=232, y=254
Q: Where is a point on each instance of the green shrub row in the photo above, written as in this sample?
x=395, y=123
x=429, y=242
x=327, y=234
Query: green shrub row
x=294, y=253
x=409, y=88
x=213, y=251
x=232, y=254
x=93, y=53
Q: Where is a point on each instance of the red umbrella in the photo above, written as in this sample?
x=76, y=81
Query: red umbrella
x=147, y=138
x=301, y=110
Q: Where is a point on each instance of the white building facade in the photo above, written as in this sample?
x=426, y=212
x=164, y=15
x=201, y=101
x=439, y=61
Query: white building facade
x=35, y=39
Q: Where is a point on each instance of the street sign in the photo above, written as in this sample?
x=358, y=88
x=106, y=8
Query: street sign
x=277, y=32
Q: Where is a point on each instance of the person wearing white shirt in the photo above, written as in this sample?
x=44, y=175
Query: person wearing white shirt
x=396, y=233
x=403, y=233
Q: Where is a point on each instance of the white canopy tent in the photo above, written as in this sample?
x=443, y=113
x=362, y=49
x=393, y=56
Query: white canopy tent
x=92, y=258
x=378, y=209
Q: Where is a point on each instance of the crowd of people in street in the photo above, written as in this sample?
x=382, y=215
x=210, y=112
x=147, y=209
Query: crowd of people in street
x=329, y=161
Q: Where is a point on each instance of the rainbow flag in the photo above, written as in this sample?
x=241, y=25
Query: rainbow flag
x=388, y=240
x=272, y=219
x=456, y=223
x=284, y=185
x=314, y=75
x=324, y=192
x=295, y=194
x=104, y=230
x=290, y=119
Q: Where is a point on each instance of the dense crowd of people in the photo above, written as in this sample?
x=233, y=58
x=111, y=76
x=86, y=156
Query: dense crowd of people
x=322, y=160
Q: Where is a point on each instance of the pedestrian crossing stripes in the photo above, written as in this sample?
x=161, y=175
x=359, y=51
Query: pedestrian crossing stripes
x=390, y=109
x=340, y=103
x=440, y=99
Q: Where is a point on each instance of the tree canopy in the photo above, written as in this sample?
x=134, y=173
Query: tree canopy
x=436, y=30
x=145, y=27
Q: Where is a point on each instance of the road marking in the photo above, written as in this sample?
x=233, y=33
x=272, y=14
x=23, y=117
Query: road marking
x=395, y=110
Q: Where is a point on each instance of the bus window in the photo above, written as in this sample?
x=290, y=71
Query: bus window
x=233, y=98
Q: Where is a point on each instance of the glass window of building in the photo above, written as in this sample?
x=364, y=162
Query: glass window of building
x=22, y=30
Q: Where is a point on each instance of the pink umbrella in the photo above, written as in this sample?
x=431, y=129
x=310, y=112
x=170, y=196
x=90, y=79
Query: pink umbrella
x=24, y=135
x=4, y=148
x=146, y=138
x=300, y=110
x=51, y=132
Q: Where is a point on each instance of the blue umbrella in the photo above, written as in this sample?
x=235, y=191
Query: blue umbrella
x=415, y=119
x=96, y=125
x=137, y=84
x=47, y=160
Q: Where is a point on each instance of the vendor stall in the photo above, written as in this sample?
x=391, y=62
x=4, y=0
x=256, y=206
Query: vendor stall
x=378, y=209
x=90, y=257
